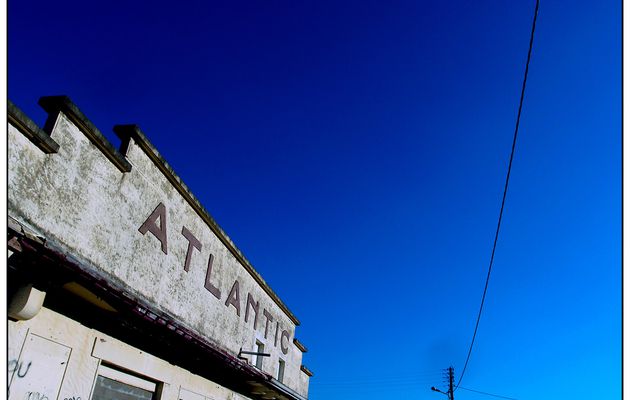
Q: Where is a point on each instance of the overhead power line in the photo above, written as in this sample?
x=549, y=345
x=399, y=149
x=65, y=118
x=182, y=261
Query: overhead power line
x=385, y=382
x=505, y=189
x=378, y=383
x=378, y=378
x=488, y=394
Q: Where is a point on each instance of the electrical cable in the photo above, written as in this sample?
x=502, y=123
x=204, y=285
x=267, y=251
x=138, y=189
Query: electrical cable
x=377, y=381
x=488, y=394
x=507, y=179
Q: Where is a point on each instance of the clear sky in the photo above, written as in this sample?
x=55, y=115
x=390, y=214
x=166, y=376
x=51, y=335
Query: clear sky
x=355, y=151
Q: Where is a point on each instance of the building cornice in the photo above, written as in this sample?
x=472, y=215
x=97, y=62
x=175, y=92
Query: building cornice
x=34, y=133
x=53, y=105
x=306, y=370
x=299, y=345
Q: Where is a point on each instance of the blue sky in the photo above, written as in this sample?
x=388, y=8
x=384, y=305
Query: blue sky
x=356, y=152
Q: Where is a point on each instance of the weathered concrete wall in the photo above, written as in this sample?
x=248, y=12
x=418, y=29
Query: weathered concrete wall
x=79, y=198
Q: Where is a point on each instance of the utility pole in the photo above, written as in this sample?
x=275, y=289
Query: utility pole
x=451, y=379
x=451, y=373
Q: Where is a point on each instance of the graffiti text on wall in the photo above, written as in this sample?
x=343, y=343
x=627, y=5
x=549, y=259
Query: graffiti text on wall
x=19, y=368
x=35, y=396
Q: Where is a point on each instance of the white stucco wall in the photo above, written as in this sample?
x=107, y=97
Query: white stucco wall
x=80, y=199
x=87, y=349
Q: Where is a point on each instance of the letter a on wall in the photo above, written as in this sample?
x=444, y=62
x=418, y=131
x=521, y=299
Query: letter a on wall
x=150, y=225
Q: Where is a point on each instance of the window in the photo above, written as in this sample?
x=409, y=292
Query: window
x=112, y=384
x=280, y=370
x=260, y=348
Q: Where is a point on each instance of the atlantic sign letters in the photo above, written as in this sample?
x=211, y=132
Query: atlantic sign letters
x=158, y=229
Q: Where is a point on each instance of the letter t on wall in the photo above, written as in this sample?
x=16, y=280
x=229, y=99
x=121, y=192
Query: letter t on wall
x=193, y=242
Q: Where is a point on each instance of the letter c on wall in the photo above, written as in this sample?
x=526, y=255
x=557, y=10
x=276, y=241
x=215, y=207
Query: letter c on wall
x=284, y=347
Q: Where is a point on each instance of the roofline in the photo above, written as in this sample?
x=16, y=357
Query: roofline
x=127, y=132
x=56, y=104
x=53, y=105
x=306, y=370
x=299, y=345
x=34, y=133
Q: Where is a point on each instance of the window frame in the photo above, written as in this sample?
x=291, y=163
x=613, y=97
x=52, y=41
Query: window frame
x=281, y=368
x=260, y=348
x=126, y=377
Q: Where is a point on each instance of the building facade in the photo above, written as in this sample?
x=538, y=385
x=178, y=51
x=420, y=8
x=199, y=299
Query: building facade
x=122, y=286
